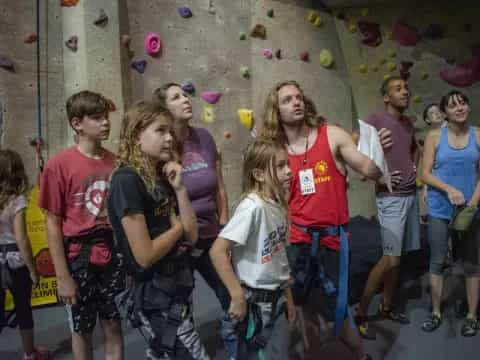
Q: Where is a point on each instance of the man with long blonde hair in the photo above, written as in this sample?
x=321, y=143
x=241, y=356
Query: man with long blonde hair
x=318, y=155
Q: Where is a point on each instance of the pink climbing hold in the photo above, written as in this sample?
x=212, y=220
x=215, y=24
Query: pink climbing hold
x=268, y=54
x=406, y=35
x=463, y=75
x=304, y=56
x=72, y=43
x=6, y=63
x=153, y=44
x=211, y=97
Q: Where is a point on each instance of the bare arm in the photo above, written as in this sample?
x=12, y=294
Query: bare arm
x=67, y=289
x=222, y=200
x=476, y=194
x=220, y=256
x=145, y=250
x=348, y=152
x=455, y=196
x=20, y=229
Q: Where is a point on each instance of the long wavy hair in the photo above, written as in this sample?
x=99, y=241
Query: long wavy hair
x=261, y=154
x=272, y=126
x=13, y=178
x=138, y=117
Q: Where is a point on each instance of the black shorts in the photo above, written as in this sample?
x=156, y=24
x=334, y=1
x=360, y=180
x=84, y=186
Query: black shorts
x=317, y=297
x=98, y=287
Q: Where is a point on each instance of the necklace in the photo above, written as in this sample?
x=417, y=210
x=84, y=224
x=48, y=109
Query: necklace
x=304, y=161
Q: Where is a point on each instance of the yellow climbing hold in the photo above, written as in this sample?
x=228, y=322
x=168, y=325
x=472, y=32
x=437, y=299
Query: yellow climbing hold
x=312, y=16
x=425, y=76
x=318, y=22
x=208, y=114
x=363, y=68
x=352, y=27
x=417, y=99
x=387, y=76
x=391, y=53
x=388, y=35
x=246, y=118
x=391, y=66
x=326, y=58
x=374, y=68
x=364, y=12
x=383, y=61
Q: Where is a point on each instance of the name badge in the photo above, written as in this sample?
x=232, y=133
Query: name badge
x=307, y=184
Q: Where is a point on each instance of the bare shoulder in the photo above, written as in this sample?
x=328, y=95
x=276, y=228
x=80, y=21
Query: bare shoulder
x=338, y=135
x=433, y=137
x=476, y=129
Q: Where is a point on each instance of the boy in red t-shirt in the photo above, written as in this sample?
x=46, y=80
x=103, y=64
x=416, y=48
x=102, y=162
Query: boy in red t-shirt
x=73, y=193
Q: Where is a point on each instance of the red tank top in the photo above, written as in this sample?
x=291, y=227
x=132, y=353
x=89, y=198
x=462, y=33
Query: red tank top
x=328, y=205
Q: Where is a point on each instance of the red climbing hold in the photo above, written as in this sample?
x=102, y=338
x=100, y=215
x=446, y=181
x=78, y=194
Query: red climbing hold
x=30, y=38
x=304, y=56
x=72, y=43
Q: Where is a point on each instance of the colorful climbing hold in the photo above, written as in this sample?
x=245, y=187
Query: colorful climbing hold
x=259, y=32
x=304, y=56
x=268, y=54
x=391, y=53
x=68, y=3
x=102, y=19
x=417, y=99
x=387, y=76
x=139, y=65
x=363, y=68
x=242, y=35
x=326, y=58
x=211, y=97
x=153, y=44
x=278, y=54
x=318, y=22
x=388, y=35
x=246, y=118
x=6, y=63
x=364, y=12
x=208, y=114
x=185, y=12
x=352, y=27
x=374, y=67
x=30, y=38
x=425, y=76
x=405, y=34
x=188, y=87
x=391, y=66
x=270, y=13
x=126, y=40
x=245, y=72
x=227, y=134
x=72, y=43
x=371, y=35
x=312, y=16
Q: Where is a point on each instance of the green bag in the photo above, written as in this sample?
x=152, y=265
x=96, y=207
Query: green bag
x=462, y=217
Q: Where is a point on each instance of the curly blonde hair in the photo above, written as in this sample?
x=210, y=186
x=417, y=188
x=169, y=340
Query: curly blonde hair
x=13, y=178
x=138, y=117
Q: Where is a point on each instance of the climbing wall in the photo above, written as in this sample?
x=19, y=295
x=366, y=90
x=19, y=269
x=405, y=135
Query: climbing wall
x=18, y=85
x=216, y=49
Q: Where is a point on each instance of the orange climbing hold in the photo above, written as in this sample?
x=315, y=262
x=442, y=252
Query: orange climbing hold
x=68, y=3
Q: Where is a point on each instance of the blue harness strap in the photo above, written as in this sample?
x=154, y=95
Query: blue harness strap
x=342, y=295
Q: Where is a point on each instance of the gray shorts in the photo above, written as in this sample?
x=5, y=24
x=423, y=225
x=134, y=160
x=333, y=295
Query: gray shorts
x=399, y=224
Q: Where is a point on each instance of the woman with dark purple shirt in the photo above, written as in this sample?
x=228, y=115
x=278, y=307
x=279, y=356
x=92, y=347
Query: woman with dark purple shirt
x=202, y=176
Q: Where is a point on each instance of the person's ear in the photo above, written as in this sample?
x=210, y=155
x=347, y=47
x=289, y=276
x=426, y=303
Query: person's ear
x=258, y=175
x=77, y=123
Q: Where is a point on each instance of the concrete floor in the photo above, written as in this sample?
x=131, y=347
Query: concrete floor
x=394, y=342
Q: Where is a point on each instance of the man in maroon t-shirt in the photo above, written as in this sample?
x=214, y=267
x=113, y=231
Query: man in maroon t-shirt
x=318, y=155
x=397, y=212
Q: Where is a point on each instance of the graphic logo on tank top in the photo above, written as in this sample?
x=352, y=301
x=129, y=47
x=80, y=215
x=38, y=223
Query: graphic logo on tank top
x=194, y=164
x=321, y=172
x=273, y=243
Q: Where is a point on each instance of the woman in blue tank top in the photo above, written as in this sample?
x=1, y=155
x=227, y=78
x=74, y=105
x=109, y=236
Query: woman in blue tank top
x=450, y=169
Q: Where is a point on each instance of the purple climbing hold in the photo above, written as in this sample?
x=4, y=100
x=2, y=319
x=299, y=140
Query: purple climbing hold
x=211, y=97
x=72, y=43
x=139, y=65
x=185, y=12
x=268, y=54
x=188, y=87
x=6, y=63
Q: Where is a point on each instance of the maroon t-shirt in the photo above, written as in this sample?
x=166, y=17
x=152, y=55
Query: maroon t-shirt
x=74, y=187
x=400, y=155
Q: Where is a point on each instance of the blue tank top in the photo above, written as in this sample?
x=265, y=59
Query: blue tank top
x=455, y=167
